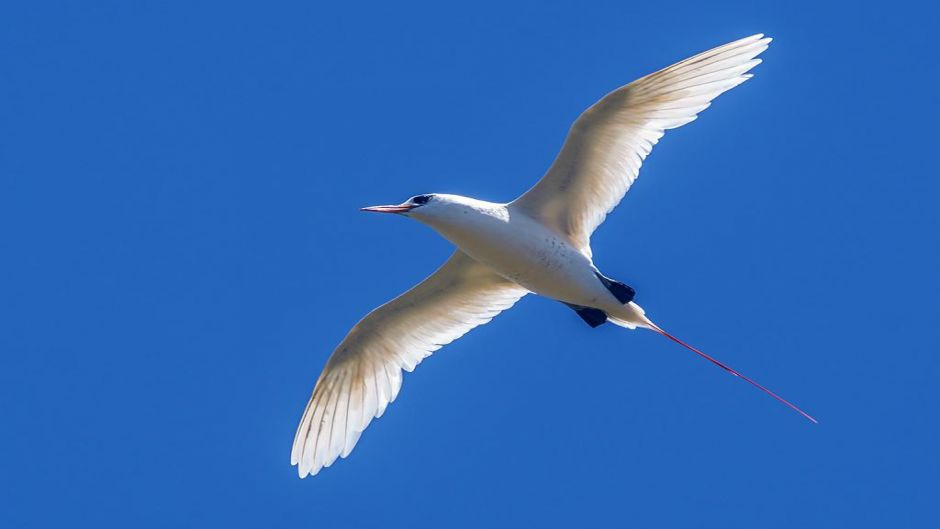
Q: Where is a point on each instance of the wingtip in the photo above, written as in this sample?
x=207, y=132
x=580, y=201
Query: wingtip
x=303, y=472
x=757, y=38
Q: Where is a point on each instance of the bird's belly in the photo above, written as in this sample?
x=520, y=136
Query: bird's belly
x=537, y=259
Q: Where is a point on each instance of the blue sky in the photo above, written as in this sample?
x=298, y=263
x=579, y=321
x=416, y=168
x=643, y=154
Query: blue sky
x=182, y=249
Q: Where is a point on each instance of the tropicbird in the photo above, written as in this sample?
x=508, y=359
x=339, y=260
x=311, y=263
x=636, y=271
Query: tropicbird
x=538, y=243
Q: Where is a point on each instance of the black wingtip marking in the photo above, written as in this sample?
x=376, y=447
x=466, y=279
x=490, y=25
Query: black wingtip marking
x=623, y=292
x=593, y=317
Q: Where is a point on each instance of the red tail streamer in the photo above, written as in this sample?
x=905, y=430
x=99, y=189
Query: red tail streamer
x=735, y=373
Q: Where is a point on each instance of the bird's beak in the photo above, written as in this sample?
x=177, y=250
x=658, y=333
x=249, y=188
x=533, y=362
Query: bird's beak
x=401, y=208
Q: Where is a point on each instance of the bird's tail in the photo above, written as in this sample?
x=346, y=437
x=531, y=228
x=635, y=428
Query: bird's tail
x=638, y=319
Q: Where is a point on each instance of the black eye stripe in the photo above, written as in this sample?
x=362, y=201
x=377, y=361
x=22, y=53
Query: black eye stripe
x=421, y=199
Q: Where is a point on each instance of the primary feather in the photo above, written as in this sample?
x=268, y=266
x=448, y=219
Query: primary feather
x=364, y=373
x=606, y=145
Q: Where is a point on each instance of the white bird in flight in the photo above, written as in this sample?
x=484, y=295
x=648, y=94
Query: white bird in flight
x=538, y=243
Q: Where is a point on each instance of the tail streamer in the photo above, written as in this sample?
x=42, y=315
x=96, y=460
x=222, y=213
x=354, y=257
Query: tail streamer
x=735, y=373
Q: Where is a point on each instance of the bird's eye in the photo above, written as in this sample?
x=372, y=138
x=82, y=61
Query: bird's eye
x=421, y=199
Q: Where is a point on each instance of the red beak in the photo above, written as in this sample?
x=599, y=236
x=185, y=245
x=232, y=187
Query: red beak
x=401, y=208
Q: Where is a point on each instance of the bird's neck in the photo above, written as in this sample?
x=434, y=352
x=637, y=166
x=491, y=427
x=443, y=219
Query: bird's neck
x=469, y=220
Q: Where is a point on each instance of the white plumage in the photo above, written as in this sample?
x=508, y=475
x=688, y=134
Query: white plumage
x=606, y=145
x=539, y=243
x=364, y=373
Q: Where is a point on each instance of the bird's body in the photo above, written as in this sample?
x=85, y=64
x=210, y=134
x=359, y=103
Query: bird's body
x=524, y=251
x=538, y=243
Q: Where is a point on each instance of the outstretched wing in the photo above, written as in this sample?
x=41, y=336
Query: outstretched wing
x=607, y=144
x=364, y=373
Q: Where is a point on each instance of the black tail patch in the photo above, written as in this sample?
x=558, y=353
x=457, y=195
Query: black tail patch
x=624, y=293
x=593, y=317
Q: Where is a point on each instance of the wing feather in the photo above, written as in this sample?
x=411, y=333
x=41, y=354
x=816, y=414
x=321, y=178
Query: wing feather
x=606, y=146
x=364, y=373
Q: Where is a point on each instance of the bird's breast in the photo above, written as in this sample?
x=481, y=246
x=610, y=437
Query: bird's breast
x=529, y=254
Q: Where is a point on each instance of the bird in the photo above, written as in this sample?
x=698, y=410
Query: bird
x=538, y=243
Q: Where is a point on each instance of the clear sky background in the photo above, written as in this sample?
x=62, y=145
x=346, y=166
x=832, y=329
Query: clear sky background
x=181, y=251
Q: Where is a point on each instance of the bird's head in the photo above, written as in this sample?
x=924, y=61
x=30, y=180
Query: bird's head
x=449, y=215
x=406, y=207
x=429, y=208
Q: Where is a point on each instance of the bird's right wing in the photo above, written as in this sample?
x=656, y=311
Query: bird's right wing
x=605, y=147
x=364, y=373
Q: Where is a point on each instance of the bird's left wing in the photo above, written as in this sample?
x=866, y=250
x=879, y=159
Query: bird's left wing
x=605, y=147
x=364, y=373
